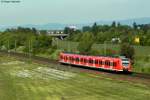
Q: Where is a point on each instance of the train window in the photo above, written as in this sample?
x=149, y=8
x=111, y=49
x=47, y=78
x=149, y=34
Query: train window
x=103, y=62
x=107, y=63
x=66, y=58
x=100, y=62
x=85, y=60
x=91, y=61
x=96, y=61
x=114, y=64
x=111, y=63
x=81, y=60
x=77, y=60
x=70, y=58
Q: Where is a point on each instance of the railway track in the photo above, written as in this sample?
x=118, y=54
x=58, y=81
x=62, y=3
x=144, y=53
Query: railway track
x=42, y=60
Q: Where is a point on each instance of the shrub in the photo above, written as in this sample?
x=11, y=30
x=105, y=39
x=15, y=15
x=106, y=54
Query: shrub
x=146, y=58
x=127, y=50
x=95, y=52
x=142, y=70
x=86, y=43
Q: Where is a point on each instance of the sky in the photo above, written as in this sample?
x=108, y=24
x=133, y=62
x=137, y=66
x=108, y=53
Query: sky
x=71, y=11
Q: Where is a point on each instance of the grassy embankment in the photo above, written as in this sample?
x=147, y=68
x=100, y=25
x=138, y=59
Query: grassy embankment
x=24, y=81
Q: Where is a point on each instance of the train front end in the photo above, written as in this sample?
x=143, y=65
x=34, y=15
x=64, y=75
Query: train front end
x=126, y=64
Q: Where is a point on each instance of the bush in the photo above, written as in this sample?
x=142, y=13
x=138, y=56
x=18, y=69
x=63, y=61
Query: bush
x=142, y=70
x=128, y=51
x=95, y=52
x=86, y=43
x=55, y=54
x=109, y=52
x=52, y=49
x=3, y=47
x=146, y=58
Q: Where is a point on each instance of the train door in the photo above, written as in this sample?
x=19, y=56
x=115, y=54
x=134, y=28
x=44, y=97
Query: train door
x=71, y=59
x=100, y=63
x=103, y=63
x=119, y=65
x=115, y=65
x=85, y=61
x=91, y=62
x=96, y=63
x=82, y=61
x=107, y=64
x=77, y=60
x=111, y=65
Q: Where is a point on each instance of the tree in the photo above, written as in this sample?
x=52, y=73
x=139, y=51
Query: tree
x=95, y=29
x=135, y=25
x=68, y=30
x=113, y=24
x=86, y=43
x=127, y=50
x=118, y=24
x=44, y=41
x=38, y=44
x=86, y=29
x=43, y=32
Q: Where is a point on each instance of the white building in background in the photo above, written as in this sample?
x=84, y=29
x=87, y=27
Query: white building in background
x=55, y=31
x=73, y=27
x=116, y=40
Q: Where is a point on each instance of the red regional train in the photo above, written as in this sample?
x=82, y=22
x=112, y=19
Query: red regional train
x=118, y=64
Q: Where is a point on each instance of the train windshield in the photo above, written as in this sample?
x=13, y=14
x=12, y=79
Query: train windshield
x=125, y=62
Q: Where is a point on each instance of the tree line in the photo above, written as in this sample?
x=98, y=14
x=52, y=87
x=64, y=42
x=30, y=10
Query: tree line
x=29, y=39
x=25, y=39
x=124, y=33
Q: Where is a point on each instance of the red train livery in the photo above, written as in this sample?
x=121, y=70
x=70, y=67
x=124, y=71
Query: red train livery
x=102, y=62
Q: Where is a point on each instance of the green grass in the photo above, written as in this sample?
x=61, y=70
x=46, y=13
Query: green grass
x=29, y=81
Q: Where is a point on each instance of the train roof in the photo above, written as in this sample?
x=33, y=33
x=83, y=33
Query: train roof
x=77, y=54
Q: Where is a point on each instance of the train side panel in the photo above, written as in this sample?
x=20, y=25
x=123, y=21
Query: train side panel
x=106, y=63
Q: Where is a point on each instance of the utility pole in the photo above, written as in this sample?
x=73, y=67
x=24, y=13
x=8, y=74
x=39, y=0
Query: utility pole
x=105, y=47
x=0, y=45
x=68, y=47
x=29, y=50
x=8, y=47
x=15, y=45
x=57, y=43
